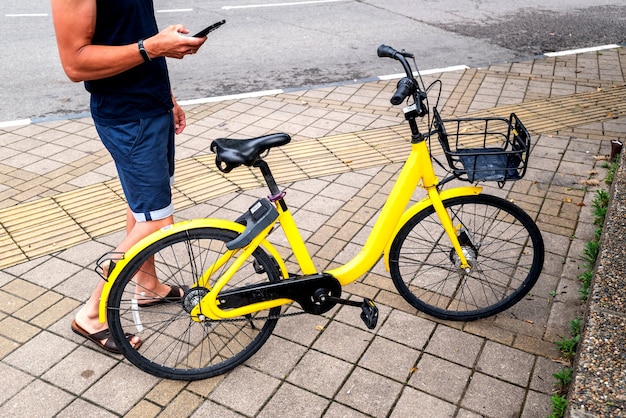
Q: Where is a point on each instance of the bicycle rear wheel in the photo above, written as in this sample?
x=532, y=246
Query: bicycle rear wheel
x=500, y=241
x=174, y=346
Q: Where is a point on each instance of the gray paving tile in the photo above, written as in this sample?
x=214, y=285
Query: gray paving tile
x=390, y=359
x=482, y=392
x=51, y=272
x=79, y=285
x=309, y=221
x=120, y=388
x=537, y=405
x=245, y=390
x=79, y=370
x=277, y=357
x=211, y=409
x=38, y=399
x=81, y=408
x=292, y=401
x=456, y=346
x=440, y=378
x=407, y=329
x=40, y=353
x=320, y=373
x=343, y=341
x=506, y=363
x=369, y=393
x=302, y=329
x=416, y=403
x=463, y=413
x=13, y=381
x=325, y=205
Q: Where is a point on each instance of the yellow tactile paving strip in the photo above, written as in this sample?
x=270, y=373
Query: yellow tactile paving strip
x=51, y=224
x=559, y=113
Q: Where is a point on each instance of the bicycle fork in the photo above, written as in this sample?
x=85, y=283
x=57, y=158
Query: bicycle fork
x=452, y=232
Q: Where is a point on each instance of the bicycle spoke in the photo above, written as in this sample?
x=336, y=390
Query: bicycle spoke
x=501, y=244
x=174, y=344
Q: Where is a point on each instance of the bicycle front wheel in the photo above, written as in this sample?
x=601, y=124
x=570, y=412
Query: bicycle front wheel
x=174, y=346
x=500, y=241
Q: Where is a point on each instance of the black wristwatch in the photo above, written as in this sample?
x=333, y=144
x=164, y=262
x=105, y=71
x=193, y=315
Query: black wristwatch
x=143, y=52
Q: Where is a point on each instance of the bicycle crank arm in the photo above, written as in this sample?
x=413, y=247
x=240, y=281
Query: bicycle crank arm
x=314, y=293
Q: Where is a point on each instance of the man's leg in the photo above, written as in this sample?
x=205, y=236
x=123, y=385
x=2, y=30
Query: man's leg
x=143, y=152
x=88, y=316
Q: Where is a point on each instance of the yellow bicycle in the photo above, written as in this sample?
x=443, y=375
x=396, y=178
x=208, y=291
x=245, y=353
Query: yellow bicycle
x=456, y=254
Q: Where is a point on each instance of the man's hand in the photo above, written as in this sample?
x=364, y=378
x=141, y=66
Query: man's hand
x=179, y=117
x=171, y=42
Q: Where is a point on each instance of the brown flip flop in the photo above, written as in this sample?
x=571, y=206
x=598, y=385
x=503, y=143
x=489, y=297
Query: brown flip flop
x=98, y=337
x=172, y=296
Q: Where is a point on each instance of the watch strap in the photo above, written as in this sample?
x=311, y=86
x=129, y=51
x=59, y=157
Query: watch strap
x=143, y=52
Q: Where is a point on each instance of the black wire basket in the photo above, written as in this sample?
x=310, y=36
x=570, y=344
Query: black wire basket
x=484, y=149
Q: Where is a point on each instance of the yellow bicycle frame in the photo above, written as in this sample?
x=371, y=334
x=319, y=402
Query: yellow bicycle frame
x=171, y=230
x=417, y=172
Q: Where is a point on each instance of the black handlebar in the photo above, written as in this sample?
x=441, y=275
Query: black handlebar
x=407, y=86
x=404, y=89
x=385, y=51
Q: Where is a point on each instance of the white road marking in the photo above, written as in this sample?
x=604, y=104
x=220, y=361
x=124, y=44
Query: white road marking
x=27, y=15
x=298, y=3
x=580, y=51
x=174, y=10
x=426, y=72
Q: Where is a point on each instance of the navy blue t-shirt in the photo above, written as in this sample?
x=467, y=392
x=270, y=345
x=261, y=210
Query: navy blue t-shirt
x=141, y=92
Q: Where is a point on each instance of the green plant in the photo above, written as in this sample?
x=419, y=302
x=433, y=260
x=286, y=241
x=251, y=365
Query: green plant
x=585, y=284
x=592, y=248
x=590, y=252
x=612, y=168
x=563, y=379
x=600, y=206
x=568, y=346
x=576, y=327
x=559, y=404
x=559, y=400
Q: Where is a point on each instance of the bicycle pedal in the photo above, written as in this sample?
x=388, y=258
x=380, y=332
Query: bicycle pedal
x=369, y=314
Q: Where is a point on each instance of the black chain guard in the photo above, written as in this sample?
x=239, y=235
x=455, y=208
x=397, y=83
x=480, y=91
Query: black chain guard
x=314, y=293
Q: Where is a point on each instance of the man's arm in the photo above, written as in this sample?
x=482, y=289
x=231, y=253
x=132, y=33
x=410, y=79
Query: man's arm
x=74, y=25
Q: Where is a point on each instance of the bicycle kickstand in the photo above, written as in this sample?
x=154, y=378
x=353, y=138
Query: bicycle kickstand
x=369, y=311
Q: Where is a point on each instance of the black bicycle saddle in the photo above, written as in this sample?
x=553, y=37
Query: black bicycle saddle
x=231, y=153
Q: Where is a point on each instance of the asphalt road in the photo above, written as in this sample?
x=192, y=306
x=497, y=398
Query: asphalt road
x=268, y=45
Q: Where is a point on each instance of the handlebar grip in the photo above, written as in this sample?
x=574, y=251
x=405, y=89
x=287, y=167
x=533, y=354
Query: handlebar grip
x=385, y=51
x=404, y=88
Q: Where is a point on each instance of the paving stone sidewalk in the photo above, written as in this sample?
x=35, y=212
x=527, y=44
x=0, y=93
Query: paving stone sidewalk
x=331, y=365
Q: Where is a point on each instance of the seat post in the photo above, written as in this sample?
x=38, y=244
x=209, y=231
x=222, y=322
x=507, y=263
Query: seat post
x=267, y=175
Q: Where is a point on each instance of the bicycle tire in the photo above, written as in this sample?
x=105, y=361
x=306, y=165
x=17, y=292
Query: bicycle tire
x=501, y=242
x=174, y=346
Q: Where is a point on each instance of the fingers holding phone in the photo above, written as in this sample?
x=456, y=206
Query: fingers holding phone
x=174, y=41
x=204, y=32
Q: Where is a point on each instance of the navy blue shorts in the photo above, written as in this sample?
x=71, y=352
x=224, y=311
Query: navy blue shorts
x=143, y=152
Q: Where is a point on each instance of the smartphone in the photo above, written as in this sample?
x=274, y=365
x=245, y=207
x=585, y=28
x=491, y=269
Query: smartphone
x=204, y=32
